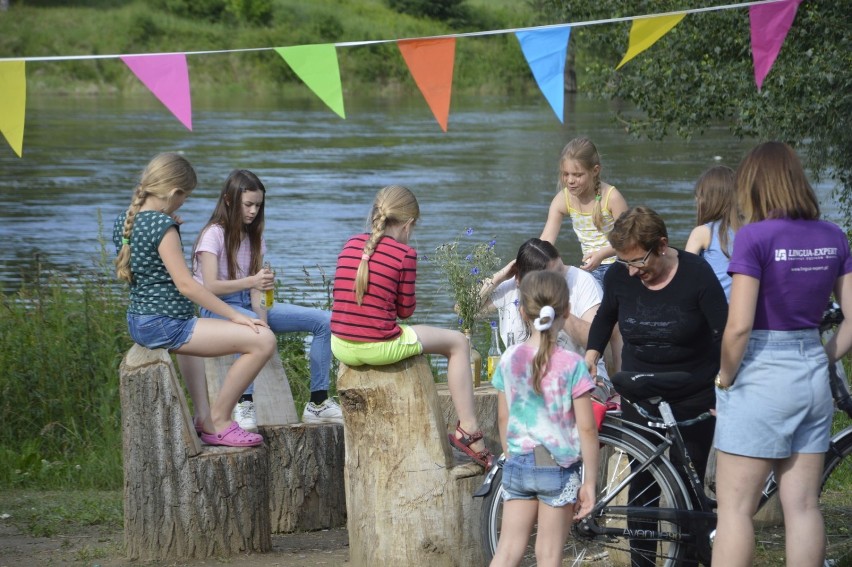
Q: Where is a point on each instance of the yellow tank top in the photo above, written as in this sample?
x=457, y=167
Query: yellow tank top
x=591, y=239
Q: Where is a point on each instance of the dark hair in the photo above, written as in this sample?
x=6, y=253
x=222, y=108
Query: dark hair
x=534, y=254
x=229, y=215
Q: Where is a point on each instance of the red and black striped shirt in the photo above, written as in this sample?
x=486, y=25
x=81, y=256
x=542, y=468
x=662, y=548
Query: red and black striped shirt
x=389, y=295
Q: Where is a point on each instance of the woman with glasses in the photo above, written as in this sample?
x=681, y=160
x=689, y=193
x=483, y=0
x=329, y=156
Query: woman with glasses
x=672, y=312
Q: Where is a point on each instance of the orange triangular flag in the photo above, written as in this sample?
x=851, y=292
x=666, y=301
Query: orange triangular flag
x=430, y=62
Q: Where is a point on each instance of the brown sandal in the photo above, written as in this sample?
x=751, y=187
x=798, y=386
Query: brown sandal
x=463, y=443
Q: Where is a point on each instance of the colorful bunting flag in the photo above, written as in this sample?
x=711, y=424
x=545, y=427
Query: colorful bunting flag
x=769, y=26
x=13, y=103
x=167, y=76
x=430, y=62
x=318, y=68
x=545, y=52
x=644, y=32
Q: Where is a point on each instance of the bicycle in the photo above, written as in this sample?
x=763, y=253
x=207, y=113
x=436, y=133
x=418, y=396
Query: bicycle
x=681, y=521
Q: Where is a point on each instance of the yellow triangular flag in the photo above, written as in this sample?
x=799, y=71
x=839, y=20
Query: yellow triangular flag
x=13, y=103
x=646, y=31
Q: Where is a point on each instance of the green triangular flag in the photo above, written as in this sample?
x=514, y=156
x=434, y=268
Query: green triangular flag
x=317, y=66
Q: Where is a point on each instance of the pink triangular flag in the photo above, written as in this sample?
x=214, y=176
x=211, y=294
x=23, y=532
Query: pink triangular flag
x=769, y=26
x=167, y=77
x=430, y=62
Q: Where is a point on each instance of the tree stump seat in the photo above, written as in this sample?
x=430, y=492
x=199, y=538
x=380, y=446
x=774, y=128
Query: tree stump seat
x=305, y=462
x=408, y=497
x=183, y=500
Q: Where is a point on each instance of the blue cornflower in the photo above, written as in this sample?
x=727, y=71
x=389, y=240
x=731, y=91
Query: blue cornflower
x=468, y=258
x=516, y=302
x=475, y=271
x=469, y=231
x=492, y=244
x=424, y=257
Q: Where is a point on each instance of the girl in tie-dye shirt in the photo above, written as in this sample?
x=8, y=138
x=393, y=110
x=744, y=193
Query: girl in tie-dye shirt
x=547, y=427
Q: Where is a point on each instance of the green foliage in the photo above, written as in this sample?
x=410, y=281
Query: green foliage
x=465, y=264
x=701, y=74
x=436, y=9
x=44, y=514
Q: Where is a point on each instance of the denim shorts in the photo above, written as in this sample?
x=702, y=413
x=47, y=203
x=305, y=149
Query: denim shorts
x=555, y=486
x=353, y=353
x=160, y=331
x=780, y=402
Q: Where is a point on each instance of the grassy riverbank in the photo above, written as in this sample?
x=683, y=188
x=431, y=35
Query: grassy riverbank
x=112, y=27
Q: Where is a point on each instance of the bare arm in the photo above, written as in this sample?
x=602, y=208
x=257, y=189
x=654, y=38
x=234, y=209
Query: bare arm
x=587, y=428
x=840, y=344
x=172, y=256
x=490, y=284
x=555, y=215
x=699, y=239
x=617, y=205
x=744, y=291
x=502, y=419
x=208, y=264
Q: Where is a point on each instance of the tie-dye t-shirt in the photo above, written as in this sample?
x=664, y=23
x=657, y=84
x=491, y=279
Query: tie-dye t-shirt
x=546, y=419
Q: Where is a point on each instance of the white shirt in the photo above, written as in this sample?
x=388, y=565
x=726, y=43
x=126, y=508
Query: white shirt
x=585, y=294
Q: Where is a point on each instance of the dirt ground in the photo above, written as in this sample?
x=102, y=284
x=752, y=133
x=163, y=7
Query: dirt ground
x=96, y=548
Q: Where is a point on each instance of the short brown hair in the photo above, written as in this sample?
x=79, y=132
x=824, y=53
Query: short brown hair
x=640, y=226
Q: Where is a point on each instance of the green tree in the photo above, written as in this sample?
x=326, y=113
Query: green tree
x=701, y=74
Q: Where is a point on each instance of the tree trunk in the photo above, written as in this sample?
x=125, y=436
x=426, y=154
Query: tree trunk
x=181, y=502
x=408, y=502
x=306, y=488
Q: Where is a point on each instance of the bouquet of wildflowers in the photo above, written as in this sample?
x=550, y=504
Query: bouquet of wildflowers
x=465, y=263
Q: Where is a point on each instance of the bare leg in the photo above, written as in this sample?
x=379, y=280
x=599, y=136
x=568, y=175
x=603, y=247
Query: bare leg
x=554, y=525
x=518, y=520
x=799, y=479
x=192, y=370
x=216, y=337
x=454, y=346
x=739, y=481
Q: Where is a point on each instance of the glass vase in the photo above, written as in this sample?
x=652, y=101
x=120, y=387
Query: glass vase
x=475, y=360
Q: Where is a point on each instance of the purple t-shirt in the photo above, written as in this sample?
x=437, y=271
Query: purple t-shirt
x=797, y=263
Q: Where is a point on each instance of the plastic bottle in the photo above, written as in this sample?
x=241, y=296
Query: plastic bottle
x=494, y=351
x=268, y=296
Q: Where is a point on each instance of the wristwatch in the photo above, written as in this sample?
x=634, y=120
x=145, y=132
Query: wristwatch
x=719, y=384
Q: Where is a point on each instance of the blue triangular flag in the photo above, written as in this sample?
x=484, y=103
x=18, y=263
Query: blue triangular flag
x=545, y=51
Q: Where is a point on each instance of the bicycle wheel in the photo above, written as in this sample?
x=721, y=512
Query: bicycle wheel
x=835, y=500
x=619, y=449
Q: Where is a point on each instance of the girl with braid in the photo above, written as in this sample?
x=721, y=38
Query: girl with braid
x=161, y=313
x=592, y=204
x=373, y=286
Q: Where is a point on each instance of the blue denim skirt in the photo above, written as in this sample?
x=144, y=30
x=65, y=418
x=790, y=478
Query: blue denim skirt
x=780, y=402
x=160, y=331
x=555, y=486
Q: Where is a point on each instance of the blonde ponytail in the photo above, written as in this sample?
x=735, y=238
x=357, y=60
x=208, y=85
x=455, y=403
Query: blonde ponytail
x=393, y=205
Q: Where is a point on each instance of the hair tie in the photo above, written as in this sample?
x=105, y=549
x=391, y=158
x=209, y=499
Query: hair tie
x=546, y=312
x=125, y=241
x=598, y=197
x=365, y=256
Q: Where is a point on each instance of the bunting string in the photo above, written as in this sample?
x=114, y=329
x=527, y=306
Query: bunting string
x=430, y=61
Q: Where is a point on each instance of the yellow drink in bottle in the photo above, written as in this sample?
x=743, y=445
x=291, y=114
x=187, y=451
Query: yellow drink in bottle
x=268, y=297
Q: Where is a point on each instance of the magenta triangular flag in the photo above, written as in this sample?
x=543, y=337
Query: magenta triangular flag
x=167, y=77
x=769, y=26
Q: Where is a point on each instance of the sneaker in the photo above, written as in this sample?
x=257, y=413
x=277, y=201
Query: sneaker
x=245, y=416
x=326, y=412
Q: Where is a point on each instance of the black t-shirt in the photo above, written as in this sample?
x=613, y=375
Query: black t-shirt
x=676, y=328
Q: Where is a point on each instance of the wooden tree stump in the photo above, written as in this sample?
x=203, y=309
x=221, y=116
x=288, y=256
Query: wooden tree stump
x=273, y=400
x=485, y=402
x=408, y=501
x=306, y=488
x=181, y=501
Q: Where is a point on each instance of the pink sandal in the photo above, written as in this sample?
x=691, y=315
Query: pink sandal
x=233, y=436
x=463, y=443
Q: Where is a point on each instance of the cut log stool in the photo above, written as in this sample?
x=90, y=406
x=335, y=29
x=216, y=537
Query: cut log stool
x=408, y=501
x=183, y=501
x=306, y=490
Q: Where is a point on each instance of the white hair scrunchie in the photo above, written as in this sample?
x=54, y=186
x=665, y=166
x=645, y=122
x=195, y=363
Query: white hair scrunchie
x=547, y=312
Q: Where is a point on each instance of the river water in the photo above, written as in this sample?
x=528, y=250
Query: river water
x=493, y=171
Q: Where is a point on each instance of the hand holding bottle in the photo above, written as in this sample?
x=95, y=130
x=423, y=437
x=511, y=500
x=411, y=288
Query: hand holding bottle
x=267, y=298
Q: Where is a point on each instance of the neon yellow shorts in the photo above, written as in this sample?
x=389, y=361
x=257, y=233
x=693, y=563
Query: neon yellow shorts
x=352, y=353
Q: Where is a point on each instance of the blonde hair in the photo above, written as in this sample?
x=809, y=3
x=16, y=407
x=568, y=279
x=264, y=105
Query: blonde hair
x=167, y=176
x=540, y=288
x=715, y=200
x=772, y=184
x=584, y=151
x=393, y=205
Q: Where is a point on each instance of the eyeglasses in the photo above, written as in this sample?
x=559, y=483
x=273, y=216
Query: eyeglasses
x=635, y=263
